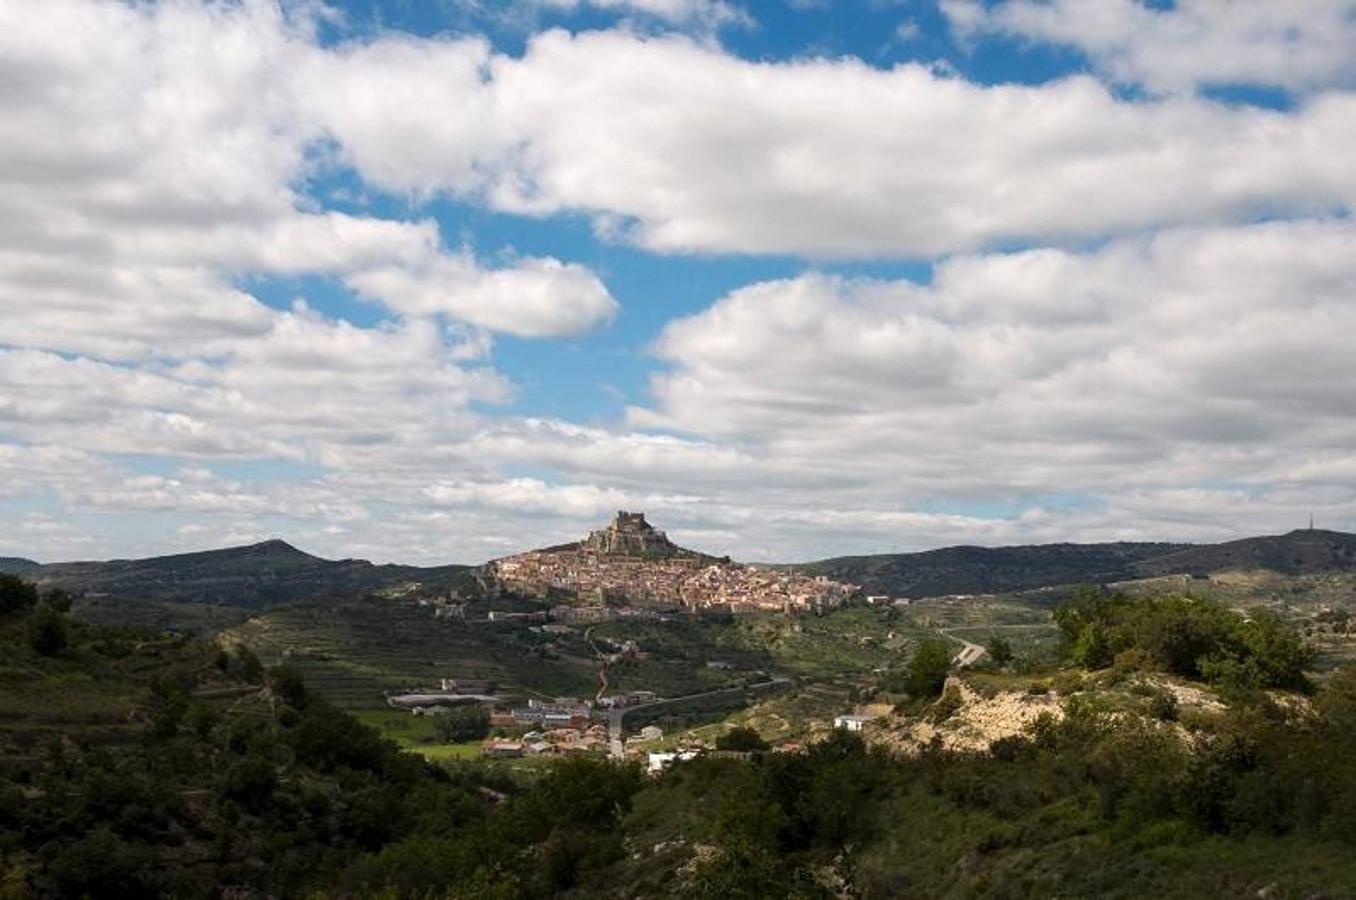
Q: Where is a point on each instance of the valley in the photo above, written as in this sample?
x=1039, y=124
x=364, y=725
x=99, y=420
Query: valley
x=1067, y=709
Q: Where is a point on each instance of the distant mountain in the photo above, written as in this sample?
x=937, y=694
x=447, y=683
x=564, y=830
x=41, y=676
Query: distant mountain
x=987, y=570
x=16, y=565
x=258, y=575
x=1302, y=552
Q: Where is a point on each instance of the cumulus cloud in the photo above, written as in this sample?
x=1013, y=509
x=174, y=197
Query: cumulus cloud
x=157, y=158
x=683, y=147
x=532, y=298
x=1297, y=45
x=705, y=14
x=1165, y=361
x=152, y=155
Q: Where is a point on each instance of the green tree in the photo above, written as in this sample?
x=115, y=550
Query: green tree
x=58, y=600
x=1000, y=651
x=462, y=723
x=46, y=630
x=928, y=669
x=16, y=595
x=742, y=739
x=247, y=666
x=169, y=703
x=288, y=685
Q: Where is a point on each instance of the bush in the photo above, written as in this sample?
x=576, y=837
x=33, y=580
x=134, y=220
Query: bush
x=1187, y=636
x=1163, y=706
x=946, y=706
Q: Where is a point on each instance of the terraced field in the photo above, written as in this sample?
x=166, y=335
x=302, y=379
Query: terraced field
x=353, y=651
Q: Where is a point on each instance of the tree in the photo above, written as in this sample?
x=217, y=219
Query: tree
x=247, y=666
x=46, y=630
x=58, y=600
x=16, y=595
x=1000, y=651
x=741, y=739
x=928, y=669
x=168, y=704
x=287, y=685
x=462, y=723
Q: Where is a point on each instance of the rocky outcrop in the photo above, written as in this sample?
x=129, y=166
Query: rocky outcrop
x=630, y=535
x=972, y=723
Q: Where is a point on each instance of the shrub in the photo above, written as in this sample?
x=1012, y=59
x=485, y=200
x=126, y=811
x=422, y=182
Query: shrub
x=1187, y=636
x=1163, y=706
x=946, y=705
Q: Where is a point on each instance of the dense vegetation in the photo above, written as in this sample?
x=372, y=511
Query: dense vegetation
x=1187, y=636
x=139, y=766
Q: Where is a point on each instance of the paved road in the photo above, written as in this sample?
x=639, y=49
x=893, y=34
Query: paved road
x=969, y=654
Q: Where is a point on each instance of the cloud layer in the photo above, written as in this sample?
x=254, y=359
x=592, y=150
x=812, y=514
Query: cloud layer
x=1135, y=325
x=1298, y=45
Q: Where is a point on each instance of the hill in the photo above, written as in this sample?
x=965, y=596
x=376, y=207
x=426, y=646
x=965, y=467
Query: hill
x=631, y=561
x=255, y=576
x=16, y=565
x=988, y=570
x=1302, y=552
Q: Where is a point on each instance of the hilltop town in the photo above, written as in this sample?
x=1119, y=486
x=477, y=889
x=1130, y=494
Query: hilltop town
x=631, y=562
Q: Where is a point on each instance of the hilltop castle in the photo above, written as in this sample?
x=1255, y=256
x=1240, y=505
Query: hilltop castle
x=630, y=535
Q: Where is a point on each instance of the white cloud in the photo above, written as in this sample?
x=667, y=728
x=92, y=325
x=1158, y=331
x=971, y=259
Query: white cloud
x=532, y=298
x=1194, y=355
x=151, y=155
x=1298, y=45
x=309, y=388
x=704, y=14
x=680, y=146
x=156, y=158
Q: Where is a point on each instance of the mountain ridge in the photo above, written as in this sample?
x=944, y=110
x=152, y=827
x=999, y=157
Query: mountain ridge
x=974, y=570
x=272, y=572
x=263, y=574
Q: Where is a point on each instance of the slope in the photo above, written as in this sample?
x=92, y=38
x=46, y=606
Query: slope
x=255, y=576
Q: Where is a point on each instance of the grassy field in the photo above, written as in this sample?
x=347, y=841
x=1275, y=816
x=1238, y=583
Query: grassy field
x=416, y=734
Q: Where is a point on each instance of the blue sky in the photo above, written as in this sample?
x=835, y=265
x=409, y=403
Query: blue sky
x=434, y=281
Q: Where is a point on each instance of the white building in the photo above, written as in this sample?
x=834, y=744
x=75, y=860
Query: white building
x=852, y=721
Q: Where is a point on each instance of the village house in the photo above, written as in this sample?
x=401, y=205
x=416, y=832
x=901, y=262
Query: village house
x=501, y=748
x=852, y=721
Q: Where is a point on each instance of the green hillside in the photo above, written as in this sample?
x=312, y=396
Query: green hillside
x=251, y=577
x=138, y=766
x=989, y=570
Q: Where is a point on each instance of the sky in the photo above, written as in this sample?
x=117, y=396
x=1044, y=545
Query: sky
x=434, y=281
